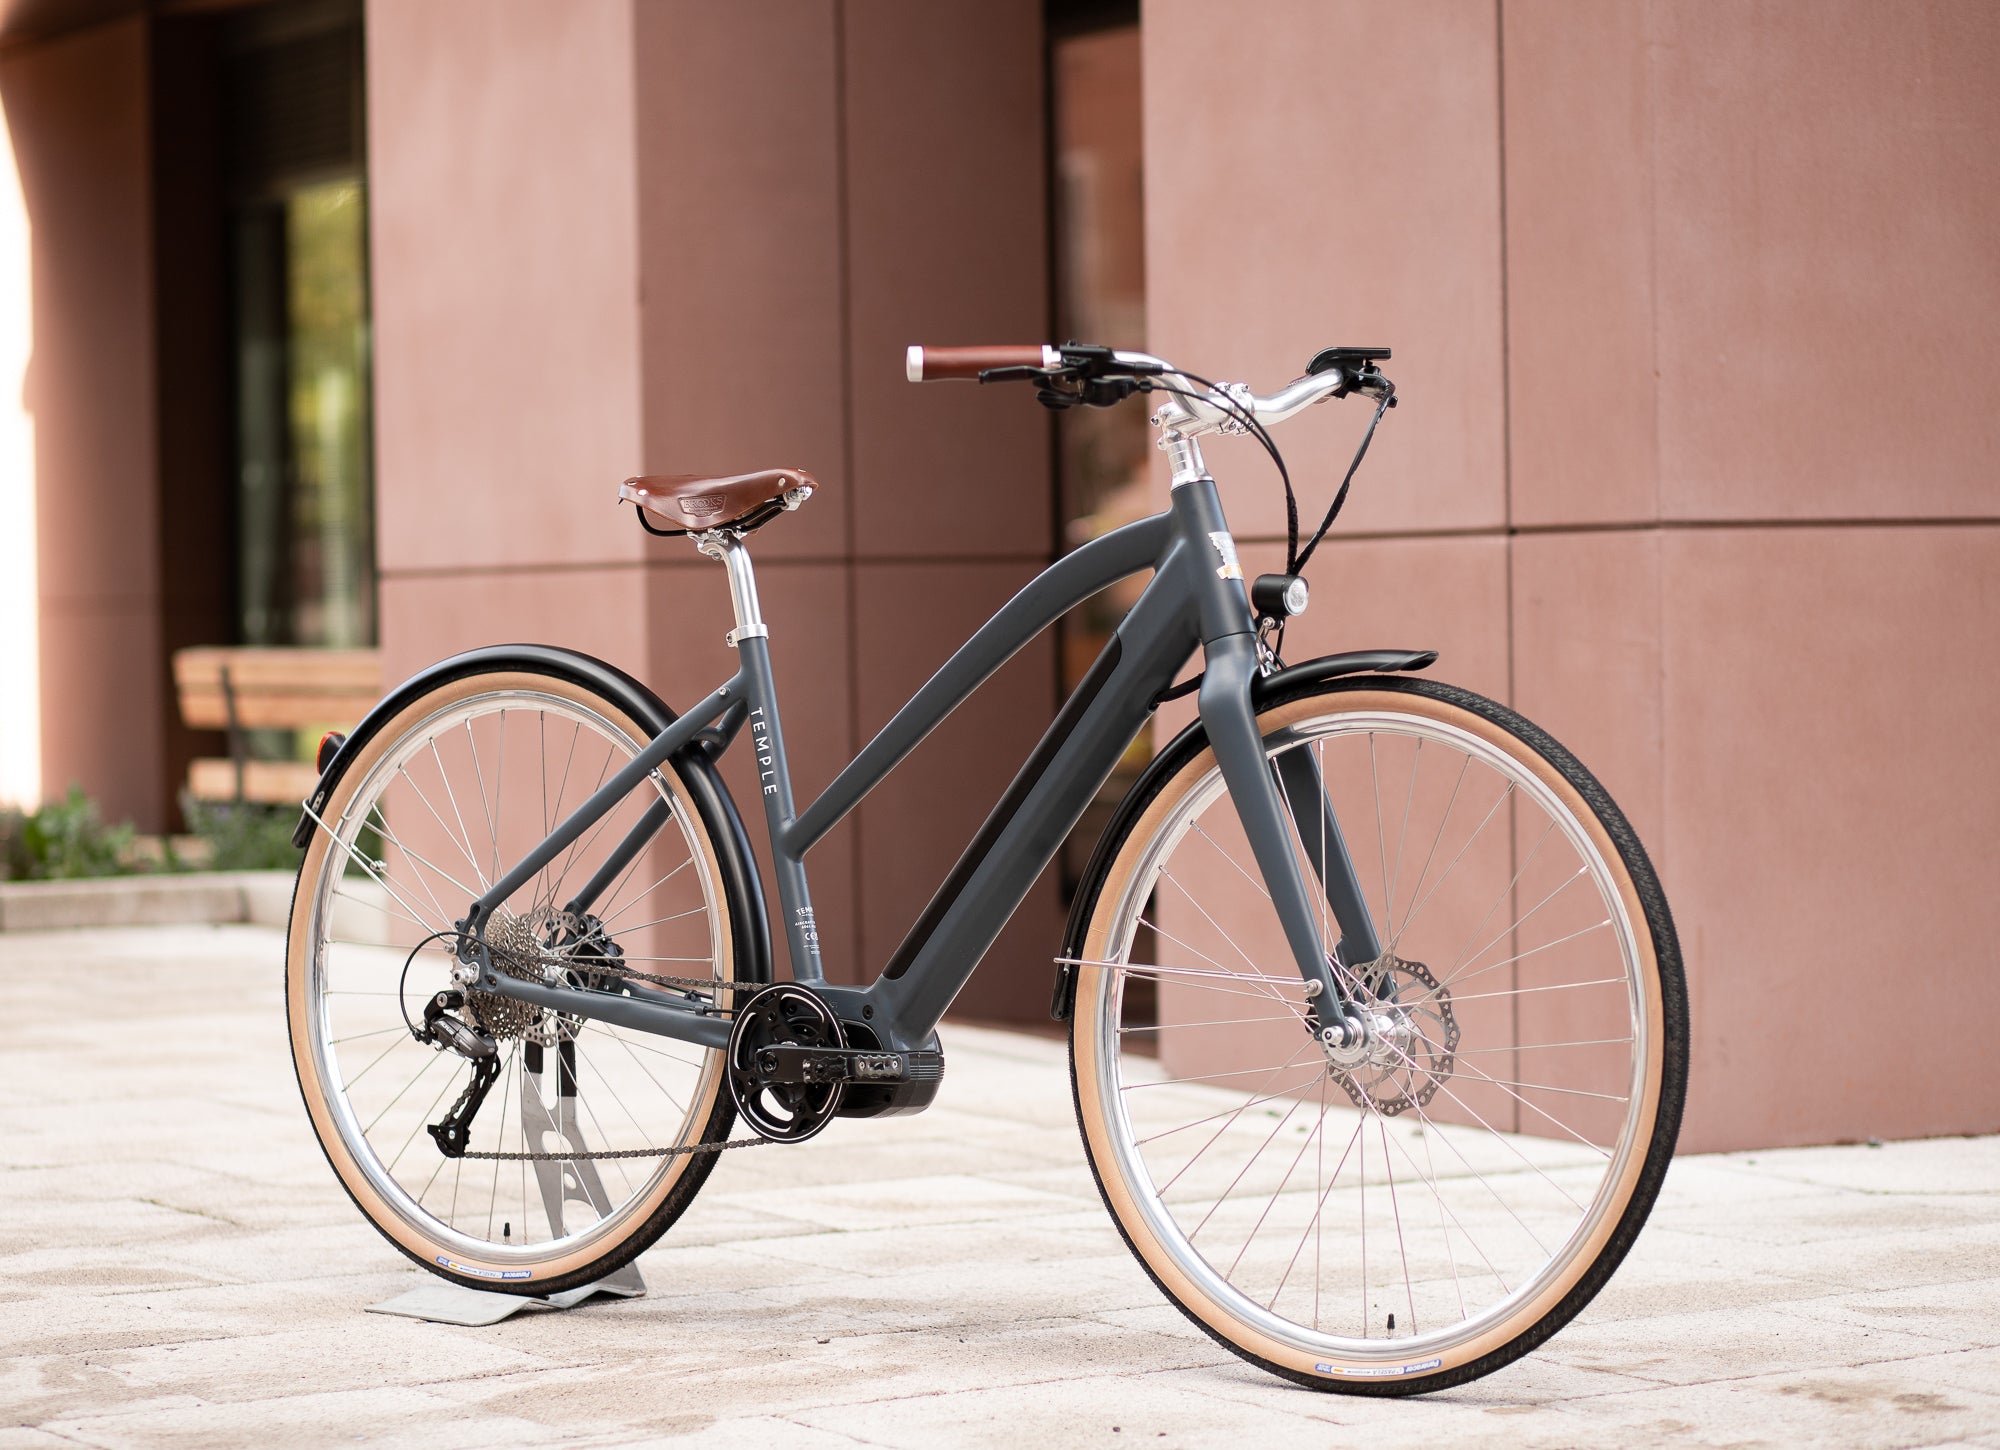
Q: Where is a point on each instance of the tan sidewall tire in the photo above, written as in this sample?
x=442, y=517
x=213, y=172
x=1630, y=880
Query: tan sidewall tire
x=1089, y=1070
x=432, y=1253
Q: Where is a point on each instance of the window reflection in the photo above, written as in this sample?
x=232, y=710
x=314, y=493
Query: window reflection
x=305, y=537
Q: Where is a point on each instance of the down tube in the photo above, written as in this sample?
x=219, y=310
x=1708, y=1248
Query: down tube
x=1027, y=828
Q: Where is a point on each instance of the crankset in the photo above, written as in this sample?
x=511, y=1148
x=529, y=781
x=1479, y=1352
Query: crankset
x=777, y=1034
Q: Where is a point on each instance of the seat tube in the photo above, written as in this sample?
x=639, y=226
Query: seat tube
x=751, y=640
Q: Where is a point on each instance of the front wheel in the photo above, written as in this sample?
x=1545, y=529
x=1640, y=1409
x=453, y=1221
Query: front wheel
x=1418, y=1212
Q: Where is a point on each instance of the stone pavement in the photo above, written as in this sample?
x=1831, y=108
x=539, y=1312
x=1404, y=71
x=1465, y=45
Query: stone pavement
x=179, y=1268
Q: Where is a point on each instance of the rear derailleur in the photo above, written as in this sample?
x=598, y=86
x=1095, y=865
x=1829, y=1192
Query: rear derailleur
x=469, y=1024
x=443, y=1029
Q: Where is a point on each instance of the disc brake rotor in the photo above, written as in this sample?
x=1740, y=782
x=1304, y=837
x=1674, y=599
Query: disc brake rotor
x=1414, y=1035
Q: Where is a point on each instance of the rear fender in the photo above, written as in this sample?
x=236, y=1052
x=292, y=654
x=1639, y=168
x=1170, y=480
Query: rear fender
x=741, y=884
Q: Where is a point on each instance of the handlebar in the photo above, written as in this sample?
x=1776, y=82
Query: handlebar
x=1100, y=376
x=965, y=364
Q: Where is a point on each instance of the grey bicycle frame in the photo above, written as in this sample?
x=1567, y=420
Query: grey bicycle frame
x=1195, y=599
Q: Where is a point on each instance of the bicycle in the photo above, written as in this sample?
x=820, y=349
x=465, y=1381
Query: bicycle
x=1378, y=1096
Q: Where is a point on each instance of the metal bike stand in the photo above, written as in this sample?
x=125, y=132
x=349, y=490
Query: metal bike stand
x=561, y=1181
x=443, y=1303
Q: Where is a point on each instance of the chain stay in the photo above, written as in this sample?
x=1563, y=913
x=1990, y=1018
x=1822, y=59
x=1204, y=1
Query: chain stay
x=600, y=966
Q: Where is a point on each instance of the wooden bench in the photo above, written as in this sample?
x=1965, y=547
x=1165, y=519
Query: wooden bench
x=243, y=689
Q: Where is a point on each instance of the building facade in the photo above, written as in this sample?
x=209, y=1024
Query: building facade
x=1694, y=305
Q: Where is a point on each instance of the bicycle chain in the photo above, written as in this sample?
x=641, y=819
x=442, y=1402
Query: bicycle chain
x=620, y=1152
x=601, y=966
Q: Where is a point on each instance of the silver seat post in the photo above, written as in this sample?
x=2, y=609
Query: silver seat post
x=742, y=585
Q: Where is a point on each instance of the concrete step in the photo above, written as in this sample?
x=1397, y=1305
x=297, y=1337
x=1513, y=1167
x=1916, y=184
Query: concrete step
x=262, y=898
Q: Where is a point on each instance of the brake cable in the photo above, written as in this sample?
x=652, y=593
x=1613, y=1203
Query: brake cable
x=1296, y=558
x=1106, y=391
x=1387, y=402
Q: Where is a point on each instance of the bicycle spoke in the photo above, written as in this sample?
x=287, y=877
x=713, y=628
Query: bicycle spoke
x=1416, y=898
x=458, y=815
x=1416, y=911
x=492, y=830
x=1507, y=1149
x=1278, y=1192
x=613, y=1099
x=1396, y=1212
x=1402, y=838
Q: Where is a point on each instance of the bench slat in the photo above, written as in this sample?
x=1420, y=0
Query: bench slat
x=256, y=669
x=270, y=782
x=277, y=688
x=206, y=710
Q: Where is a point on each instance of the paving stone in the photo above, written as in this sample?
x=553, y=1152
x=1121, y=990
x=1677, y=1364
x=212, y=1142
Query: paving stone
x=178, y=1267
x=1966, y=1313
x=1877, y=1405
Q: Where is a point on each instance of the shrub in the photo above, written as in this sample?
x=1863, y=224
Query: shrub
x=62, y=840
x=243, y=835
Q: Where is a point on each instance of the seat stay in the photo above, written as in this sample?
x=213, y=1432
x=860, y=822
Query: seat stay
x=629, y=777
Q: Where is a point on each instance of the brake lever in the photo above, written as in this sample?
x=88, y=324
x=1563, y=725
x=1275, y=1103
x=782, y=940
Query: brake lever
x=1022, y=374
x=1370, y=383
x=1086, y=392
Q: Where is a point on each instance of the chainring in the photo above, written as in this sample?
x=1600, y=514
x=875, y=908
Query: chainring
x=785, y=1015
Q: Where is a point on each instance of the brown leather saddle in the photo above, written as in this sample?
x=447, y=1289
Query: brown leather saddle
x=694, y=503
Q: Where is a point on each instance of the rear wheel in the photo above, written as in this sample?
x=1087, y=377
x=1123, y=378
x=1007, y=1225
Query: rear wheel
x=438, y=803
x=1412, y=1215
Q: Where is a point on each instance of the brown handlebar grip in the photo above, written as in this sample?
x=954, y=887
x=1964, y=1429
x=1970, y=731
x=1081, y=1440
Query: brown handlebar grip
x=936, y=364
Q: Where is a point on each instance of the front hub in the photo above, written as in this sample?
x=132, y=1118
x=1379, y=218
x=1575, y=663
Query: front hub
x=1395, y=1046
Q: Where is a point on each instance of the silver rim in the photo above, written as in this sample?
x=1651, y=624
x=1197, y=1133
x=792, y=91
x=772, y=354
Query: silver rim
x=455, y=801
x=1380, y=1215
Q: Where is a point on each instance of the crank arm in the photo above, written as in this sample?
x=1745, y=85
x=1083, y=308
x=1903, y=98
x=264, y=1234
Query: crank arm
x=791, y=1063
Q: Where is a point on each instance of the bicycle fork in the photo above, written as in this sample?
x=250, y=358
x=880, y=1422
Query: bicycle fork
x=1265, y=794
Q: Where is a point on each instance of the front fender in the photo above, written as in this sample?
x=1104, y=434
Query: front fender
x=1328, y=667
x=742, y=885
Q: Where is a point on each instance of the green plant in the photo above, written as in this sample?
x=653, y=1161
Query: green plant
x=62, y=840
x=243, y=835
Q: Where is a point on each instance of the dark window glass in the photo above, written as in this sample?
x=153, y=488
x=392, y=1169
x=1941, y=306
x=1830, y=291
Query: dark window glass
x=1104, y=454
x=299, y=265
